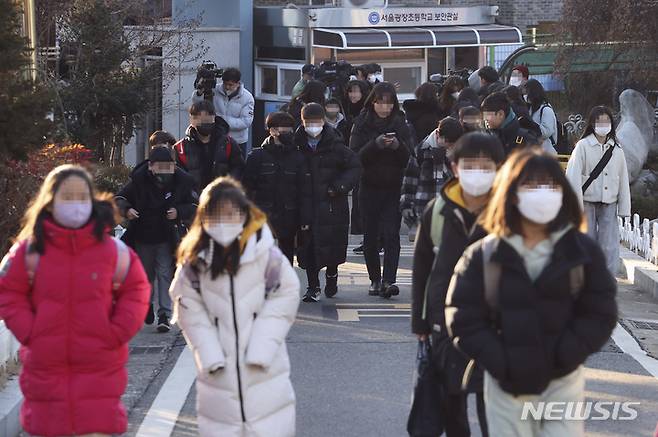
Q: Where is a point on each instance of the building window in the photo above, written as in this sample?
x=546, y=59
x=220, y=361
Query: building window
x=276, y=81
x=409, y=78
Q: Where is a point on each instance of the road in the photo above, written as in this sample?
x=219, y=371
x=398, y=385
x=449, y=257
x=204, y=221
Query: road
x=353, y=362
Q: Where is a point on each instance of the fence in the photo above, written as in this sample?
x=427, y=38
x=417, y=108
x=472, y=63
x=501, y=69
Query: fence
x=640, y=236
x=8, y=348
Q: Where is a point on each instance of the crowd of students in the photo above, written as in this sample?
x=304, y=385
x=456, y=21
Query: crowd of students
x=500, y=233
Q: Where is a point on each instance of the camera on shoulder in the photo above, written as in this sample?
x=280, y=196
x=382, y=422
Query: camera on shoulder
x=206, y=78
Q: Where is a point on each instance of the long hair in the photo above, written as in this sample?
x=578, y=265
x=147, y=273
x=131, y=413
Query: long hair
x=380, y=92
x=427, y=93
x=104, y=213
x=502, y=217
x=536, y=94
x=222, y=190
x=446, y=100
x=594, y=114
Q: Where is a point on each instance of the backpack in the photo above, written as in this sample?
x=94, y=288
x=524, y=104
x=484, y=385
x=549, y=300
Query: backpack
x=120, y=271
x=492, y=272
x=561, y=145
x=436, y=231
x=179, y=147
x=529, y=132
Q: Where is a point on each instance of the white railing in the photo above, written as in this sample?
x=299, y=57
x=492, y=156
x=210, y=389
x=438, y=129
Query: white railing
x=640, y=236
x=8, y=346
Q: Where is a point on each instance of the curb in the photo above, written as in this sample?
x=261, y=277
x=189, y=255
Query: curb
x=10, y=403
x=639, y=271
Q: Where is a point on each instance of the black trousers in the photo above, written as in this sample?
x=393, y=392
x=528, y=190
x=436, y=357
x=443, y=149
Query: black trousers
x=287, y=246
x=381, y=219
x=313, y=271
x=455, y=414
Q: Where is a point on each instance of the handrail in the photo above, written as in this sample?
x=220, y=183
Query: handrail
x=640, y=236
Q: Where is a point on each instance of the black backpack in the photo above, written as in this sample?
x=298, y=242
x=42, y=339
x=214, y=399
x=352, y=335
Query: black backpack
x=529, y=132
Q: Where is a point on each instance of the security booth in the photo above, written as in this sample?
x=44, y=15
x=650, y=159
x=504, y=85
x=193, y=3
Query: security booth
x=410, y=44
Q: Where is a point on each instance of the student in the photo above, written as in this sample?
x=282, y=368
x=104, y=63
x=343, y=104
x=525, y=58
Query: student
x=236, y=298
x=470, y=118
x=356, y=93
x=489, y=82
x=501, y=121
x=452, y=88
x=307, y=75
x=448, y=225
x=74, y=298
x=534, y=299
x=519, y=106
x=334, y=170
x=162, y=138
x=428, y=169
x=543, y=114
x=383, y=141
x=335, y=118
x=313, y=92
x=467, y=97
x=423, y=112
x=275, y=178
x=207, y=151
x=605, y=195
x=519, y=77
x=157, y=201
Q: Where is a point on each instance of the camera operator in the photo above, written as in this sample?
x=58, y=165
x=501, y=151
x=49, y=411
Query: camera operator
x=308, y=73
x=233, y=103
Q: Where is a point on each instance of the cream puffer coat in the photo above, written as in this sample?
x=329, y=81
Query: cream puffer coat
x=612, y=185
x=249, y=393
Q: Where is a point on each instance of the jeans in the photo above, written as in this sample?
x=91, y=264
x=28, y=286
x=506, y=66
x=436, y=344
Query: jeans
x=243, y=150
x=158, y=262
x=602, y=226
x=381, y=219
x=505, y=411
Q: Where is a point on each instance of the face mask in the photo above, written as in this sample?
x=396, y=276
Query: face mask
x=515, y=81
x=455, y=95
x=205, y=129
x=286, y=138
x=72, y=215
x=163, y=178
x=476, y=182
x=602, y=130
x=375, y=78
x=224, y=234
x=540, y=205
x=525, y=98
x=313, y=131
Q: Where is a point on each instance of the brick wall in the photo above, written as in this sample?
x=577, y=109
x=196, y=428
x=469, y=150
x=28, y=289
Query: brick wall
x=524, y=14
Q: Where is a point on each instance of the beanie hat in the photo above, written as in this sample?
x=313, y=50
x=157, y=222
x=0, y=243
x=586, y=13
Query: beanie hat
x=161, y=154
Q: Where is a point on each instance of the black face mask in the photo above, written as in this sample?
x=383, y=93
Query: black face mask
x=205, y=129
x=163, y=179
x=286, y=138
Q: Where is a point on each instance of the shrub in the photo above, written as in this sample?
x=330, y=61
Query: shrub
x=111, y=179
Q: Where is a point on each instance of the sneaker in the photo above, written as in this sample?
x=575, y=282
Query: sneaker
x=312, y=294
x=375, y=287
x=331, y=287
x=358, y=249
x=150, y=316
x=163, y=324
x=391, y=289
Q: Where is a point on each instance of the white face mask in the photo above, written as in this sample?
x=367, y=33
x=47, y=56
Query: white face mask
x=525, y=98
x=602, y=130
x=224, y=234
x=455, y=95
x=313, y=131
x=377, y=77
x=515, y=81
x=540, y=205
x=476, y=182
x=72, y=215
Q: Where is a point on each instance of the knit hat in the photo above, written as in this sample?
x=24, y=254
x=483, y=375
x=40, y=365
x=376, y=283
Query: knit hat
x=523, y=70
x=161, y=154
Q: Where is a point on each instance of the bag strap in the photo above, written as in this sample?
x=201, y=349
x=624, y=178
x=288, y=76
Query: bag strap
x=123, y=264
x=273, y=271
x=436, y=228
x=491, y=273
x=605, y=159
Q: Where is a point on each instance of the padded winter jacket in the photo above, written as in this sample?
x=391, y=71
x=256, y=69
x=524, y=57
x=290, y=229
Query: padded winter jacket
x=540, y=331
x=612, y=185
x=237, y=110
x=231, y=326
x=74, y=331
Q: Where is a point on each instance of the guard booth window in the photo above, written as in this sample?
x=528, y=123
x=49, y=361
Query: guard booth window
x=276, y=81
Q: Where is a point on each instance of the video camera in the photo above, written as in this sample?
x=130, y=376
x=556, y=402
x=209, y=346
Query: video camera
x=439, y=79
x=335, y=75
x=206, y=78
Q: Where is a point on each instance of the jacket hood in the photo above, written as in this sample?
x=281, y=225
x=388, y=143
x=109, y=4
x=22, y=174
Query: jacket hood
x=339, y=119
x=591, y=140
x=430, y=142
x=452, y=193
x=221, y=129
x=327, y=139
x=511, y=117
x=141, y=173
x=272, y=147
x=250, y=246
x=369, y=120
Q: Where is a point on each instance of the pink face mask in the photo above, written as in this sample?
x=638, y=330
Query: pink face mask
x=72, y=215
